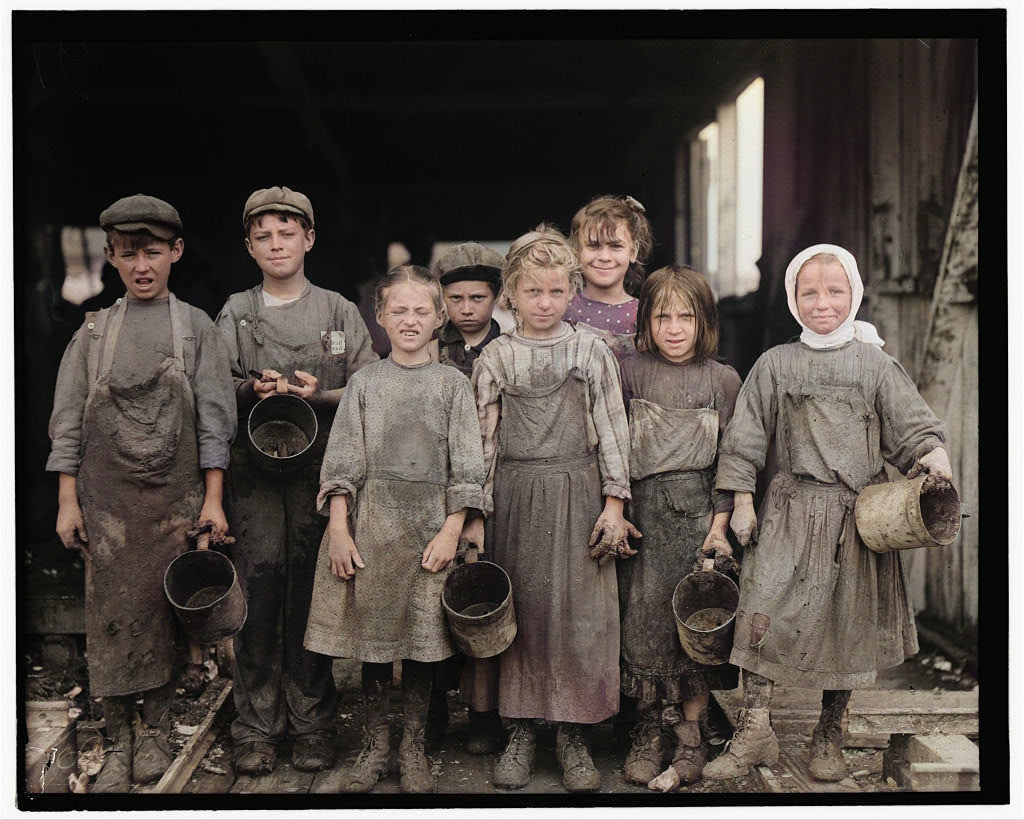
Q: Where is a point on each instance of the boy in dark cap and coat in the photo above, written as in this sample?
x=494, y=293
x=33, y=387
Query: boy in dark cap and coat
x=308, y=341
x=142, y=423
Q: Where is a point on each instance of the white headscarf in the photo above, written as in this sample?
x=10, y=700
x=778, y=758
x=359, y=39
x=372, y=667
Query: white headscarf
x=850, y=328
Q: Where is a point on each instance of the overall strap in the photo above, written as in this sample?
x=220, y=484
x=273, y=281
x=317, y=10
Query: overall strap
x=177, y=328
x=114, y=324
x=96, y=326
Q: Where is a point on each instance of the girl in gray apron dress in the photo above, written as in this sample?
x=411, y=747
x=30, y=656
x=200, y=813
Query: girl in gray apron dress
x=679, y=399
x=555, y=434
x=818, y=609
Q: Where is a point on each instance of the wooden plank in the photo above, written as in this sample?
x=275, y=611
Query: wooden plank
x=285, y=779
x=726, y=118
x=191, y=754
x=47, y=714
x=329, y=781
x=968, y=487
x=790, y=774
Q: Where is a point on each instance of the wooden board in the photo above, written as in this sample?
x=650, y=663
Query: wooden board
x=285, y=779
x=790, y=774
x=177, y=775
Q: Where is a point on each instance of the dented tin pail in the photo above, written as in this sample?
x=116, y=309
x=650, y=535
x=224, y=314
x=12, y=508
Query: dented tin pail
x=899, y=515
x=202, y=586
x=477, y=603
x=281, y=431
x=704, y=605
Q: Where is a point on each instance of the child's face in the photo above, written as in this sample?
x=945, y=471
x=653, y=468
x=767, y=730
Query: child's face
x=279, y=246
x=145, y=271
x=674, y=330
x=470, y=305
x=541, y=298
x=409, y=316
x=823, y=295
x=606, y=260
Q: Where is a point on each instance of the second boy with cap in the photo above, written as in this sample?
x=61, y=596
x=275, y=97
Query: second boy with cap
x=283, y=327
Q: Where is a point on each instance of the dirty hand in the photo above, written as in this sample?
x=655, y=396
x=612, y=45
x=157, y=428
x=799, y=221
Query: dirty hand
x=267, y=386
x=744, y=519
x=610, y=534
x=472, y=536
x=936, y=464
x=71, y=526
x=341, y=549
x=716, y=543
x=213, y=513
x=441, y=549
x=307, y=387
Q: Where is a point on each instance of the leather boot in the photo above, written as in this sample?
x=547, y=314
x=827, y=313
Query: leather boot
x=648, y=750
x=753, y=744
x=512, y=771
x=413, y=764
x=579, y=774
x=826, y=752
x=116, y=774
x=372, y=763
x=484, y=733
x=151, y=752
x=691, y=755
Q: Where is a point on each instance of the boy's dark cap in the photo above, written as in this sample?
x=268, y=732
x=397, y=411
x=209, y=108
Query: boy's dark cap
x=278, y=199
x=140, y=212
x=469, y=262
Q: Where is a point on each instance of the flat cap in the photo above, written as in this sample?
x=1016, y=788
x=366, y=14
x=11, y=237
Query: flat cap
x=469, y=261
x=279, y=199
x=140, y=212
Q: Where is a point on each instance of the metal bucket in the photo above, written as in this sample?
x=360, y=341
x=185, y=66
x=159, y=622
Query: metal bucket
x=281, y=432
x=706, y=639
x=477, y=603
x=900, y=515
x=202, y=586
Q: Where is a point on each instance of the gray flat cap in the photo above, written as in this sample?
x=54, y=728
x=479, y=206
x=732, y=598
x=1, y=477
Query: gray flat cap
x=140, y=212
x=279, y=199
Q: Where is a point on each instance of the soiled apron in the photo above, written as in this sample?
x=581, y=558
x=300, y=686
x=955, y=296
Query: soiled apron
x=140, y=489
x=563, y=663
x=817, y=608
x=672, y=453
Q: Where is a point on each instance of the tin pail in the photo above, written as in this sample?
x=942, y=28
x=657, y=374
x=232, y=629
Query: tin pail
x=477, y=603
x=704, y=605
x=900, y=515
x=202, y=586
x=281, y=431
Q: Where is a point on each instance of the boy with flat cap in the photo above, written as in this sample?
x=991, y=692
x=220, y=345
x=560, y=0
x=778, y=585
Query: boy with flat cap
x=143, y=418
x=307, y=341
x=470, y=275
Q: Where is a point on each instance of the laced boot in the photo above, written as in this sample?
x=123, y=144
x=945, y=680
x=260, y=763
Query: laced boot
x=372, y=763
x=484, y=733
x=151, y=751
x=513, y=769
x=578, y=771
x=116, y=774
x=754, y=743
x=648, y=750
x=826, y=752
x=691, y=755
x=413, y=763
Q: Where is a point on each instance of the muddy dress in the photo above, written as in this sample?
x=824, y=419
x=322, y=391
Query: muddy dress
x=555, y=429
x=143, y=403
x=279, y=687
x=616, y=324
x=677, y=413
x=818, y=608
x=406, y=449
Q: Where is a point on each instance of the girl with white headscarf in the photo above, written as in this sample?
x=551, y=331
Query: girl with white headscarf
x=817, y=608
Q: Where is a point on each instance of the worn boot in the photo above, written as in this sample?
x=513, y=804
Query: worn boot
x=513, y=769
x=372, y=763
x=753, y=744
x=578, y=771
x=484, y=733
x=645, y=755
x=413, y=763
x=691, y=755
x=826, y=752
x=312, y=753
x=116, y=774
x=151, y=752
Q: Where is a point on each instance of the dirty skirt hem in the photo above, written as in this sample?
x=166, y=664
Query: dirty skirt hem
x=327, y=643
x=807, y=678
x=676, y=687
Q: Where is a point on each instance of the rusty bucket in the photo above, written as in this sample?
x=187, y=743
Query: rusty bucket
x=281, y=431
x=202, y=586
x=900, y=515
x=704, y=605
x=477, y=603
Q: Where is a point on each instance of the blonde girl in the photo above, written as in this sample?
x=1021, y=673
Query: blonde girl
x=402, y=468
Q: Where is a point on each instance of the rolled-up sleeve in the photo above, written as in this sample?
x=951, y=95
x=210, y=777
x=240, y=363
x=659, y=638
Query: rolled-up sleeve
x=69, y=397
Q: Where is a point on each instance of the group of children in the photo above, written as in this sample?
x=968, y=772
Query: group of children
x=595, y=479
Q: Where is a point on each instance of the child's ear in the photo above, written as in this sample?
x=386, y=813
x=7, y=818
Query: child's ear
x=177, y=249
x=248, y=247
x=310, y=239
